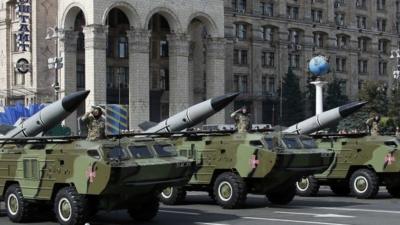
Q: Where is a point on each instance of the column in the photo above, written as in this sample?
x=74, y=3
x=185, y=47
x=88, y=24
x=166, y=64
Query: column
x=215, y=70
x=179, y=93
x=95, y=64
x=139, y=77
x=68, y=45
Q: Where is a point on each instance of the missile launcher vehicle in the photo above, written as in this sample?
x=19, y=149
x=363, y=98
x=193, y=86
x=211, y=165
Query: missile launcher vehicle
x=76, y=177
x=361, y=164
x=231, y=165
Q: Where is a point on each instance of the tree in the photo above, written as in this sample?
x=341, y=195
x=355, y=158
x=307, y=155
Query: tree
x=375, y=93
x=394, y=108
x=292, y=100
x=334, y=96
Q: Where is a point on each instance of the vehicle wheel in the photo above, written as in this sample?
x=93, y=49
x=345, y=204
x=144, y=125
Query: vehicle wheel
x=70, y=207
x=173, y=195
x=17, y=207
x=364, y=183
x=307, y=186
x=283, y=196
x=394, y=190
x=230, y=191
x=340, y=188
x=146, y=211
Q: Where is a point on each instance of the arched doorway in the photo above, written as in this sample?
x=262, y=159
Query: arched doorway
x=159, y=68
x=117, y=58
x=79, y=24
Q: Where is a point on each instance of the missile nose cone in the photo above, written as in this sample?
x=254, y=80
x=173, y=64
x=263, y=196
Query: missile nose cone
x=221, y=102
x=72, y=101
x=350, y=108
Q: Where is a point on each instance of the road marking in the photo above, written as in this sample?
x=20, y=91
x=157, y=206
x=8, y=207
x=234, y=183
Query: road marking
x=211, y=223
x=179, y=212
x=316, y=215
x=357, y=209
x=292, y=221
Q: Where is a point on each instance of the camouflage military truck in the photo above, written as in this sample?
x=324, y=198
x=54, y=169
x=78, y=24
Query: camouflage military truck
x=360, y=166
x=77, y=177
x=228, y=166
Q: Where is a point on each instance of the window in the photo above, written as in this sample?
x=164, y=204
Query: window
x=241, y=83
x=294, y=60
x=80, y=76
x=380, y=4
x=117, y=77
x=343, y=86
x=398, y=27
x=381, y=24
x=292, y=12
x=267, y=33
x=363, y=44
x=163, y=79
x=383, y=46
x=341, y=64
x=239, y=5
x=268, y=59
x=122, y=49
x=240, y=57
x=241, y=31
x=361, y=4
x=397, y=6
x=339, y=19
x=165, y=150
x=318, y=39
x=271, y=85
x=382, y=68
x=19, y=78
x=267, y=9
x=362, y=22
x=342, y=41
x=294, y=37
x=362, y=66
x=316, y=15
x=264, y=85
x=140, y=152
x=164, y=48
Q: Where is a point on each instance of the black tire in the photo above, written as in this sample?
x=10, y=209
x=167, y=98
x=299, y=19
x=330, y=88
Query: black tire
x=394, y=190
x=173, y=195
x=146, y=211
x=307, y=186
x=340, y=188
x=18, y=209
x=70, y=207
x=230, y=191
x=282, y=196
x=364, y=184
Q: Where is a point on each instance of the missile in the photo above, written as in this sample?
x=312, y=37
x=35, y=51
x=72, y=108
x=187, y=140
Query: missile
x=48, y=117
x=193, y=115
x=325, y=119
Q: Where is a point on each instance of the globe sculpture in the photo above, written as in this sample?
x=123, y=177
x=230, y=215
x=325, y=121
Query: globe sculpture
x=319, y=66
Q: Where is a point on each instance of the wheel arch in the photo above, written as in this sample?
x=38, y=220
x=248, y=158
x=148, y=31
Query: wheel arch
x=7, y=185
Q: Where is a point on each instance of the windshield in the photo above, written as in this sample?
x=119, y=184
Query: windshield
x=291, y=142
x=165, y=150
x=308, y=143
x=116, y=153
x=269, y=142
x=140, y=152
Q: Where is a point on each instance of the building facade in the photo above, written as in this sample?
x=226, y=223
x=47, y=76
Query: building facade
x=266, y=37
x=159, y=57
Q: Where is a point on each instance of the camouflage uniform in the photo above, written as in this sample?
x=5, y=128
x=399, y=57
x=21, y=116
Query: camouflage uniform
x=243, y=123
x=373, y=124
x=96, y=126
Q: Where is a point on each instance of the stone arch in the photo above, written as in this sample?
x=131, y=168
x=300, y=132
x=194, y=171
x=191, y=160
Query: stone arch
x=209, y=23
x=169, y=15
x=128, y=9
x=70, y=14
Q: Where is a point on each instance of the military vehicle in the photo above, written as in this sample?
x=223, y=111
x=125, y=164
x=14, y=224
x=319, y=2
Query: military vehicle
x=361, y=164
x=77, y=177
x=230, y=165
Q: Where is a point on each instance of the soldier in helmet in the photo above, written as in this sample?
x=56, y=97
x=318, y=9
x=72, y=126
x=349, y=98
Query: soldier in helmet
x=95, y=123
x=373, y=125
x=242, y=120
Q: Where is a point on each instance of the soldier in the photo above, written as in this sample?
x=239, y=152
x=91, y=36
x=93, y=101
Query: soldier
x=242, y=120
x=95, y=123
x=373, y=125
x=398, y=132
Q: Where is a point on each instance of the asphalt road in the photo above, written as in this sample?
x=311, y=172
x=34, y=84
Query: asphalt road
x=325, y=209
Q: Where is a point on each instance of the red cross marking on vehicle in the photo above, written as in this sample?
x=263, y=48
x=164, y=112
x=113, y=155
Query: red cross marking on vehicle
x=254, y=162
x=389, y=159
x=90, y=174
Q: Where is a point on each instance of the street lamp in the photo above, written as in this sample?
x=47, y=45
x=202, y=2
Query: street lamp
x=396, y=71
x=55, y=63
